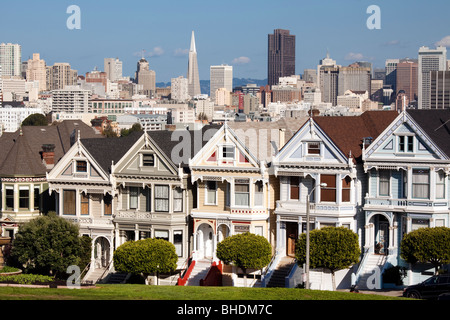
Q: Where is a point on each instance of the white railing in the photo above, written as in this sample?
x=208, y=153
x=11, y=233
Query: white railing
x=403, y=203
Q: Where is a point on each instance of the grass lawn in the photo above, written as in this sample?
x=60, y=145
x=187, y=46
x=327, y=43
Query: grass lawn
x=146, y=292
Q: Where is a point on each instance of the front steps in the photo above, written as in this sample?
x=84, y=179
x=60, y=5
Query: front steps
x=373, y=262
x=281, y=272
x=199, y=272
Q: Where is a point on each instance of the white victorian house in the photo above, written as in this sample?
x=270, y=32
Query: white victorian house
x=407, y=170
x=322, y=162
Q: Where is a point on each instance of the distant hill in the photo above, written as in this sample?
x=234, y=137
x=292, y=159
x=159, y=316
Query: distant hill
x=237, y=82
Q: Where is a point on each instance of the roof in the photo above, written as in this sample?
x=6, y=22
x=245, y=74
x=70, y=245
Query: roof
x=22, y=150
x=436, y=124
x=347, y=132
x=107, y=151
x=264, y=130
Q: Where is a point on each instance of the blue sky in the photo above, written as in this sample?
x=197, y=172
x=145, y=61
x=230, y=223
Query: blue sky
x=231, y=32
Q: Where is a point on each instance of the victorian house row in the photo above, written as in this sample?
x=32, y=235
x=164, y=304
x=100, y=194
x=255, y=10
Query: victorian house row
x=381, y=174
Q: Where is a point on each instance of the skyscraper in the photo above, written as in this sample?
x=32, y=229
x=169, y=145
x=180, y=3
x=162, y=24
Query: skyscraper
x=407, y=78
x=37, y=71
x=429, y=60
x=61, y=75
x=220, y=77
x=146, y=77
x=11, y=59
x=281, y=56
x=113, y=68
x=192, y=73
x=391, y=73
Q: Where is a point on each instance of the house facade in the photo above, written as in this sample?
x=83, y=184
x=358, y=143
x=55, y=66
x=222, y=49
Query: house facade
x=234, y=193
x=406, y=169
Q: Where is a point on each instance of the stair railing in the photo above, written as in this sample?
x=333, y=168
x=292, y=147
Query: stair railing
x=357, y=275
x=184, y=275
x=265, y=277
x=108, y=267
x=83, y=274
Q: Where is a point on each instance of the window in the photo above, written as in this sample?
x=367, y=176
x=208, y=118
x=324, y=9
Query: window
x=328, y=193
x=148, y=160
x=162, y=198
x=148, y=200
x=295, y=188
x=24, y=197
x=242, y=192
x=134, y=196
x=9, y=197
x=259, y=193
x=384, y=182
x=107, y=204
x=228, y=152
x=421, y=183
x=211, y=188
x=36, y=198
x=84, y=204
x=81, y=166
x=162, y=234
x=419, y=223
x=405, y=143
x=314, y=148
x=69, y=206
x=177, y=200
x=178, y=242
x=346, y=184
x=440, y=185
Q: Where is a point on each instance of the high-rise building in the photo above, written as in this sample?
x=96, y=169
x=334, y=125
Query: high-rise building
x=328, y=83
x=11, y=59
x=37, y=71
x=281, y=56
x=391, y=73
x=71, y=100
x=440, y=90
x=429, y=60
x=192, y=73
x=354, y=78
x=220, y=77
x=146, y=77
x=407, y=78
x=179, y=89
x=61, y=75
x=113, y=68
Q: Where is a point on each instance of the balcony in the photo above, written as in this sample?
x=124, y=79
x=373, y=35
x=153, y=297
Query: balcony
x=150, y=216
x=405, y=204
x=297, y=207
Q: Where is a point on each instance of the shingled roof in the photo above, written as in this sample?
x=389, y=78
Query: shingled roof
x=436, y=124
x=347, y=132
x=21, y=151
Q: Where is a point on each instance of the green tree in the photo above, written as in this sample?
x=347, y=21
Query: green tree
x=246, y=251
x=146, y=257
x=333, y=248
x=135, y=127
x=427, y=245
x=50, y=244
x=35, y=119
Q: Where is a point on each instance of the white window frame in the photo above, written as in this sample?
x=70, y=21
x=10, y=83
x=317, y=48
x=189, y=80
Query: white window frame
x=206, y=193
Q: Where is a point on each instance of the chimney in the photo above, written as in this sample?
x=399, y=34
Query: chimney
x=48, y=155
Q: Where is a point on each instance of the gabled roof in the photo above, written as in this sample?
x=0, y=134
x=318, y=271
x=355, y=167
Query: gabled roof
x=347, y=132
x=436, y=124
x=109, y=150
x=21, y=151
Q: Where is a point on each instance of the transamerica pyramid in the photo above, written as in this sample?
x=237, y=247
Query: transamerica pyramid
x=192, y=73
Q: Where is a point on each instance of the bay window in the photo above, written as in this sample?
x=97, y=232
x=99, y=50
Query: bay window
x=346, y=187
x=421, y=183
x=134, y=196
x=162, y=198
x=242, y=192
x=177, y=199
x=384, y=182
x=440, y=185
x=295, y=188
x=328, y=193
x=211, y=189
x=69, y=204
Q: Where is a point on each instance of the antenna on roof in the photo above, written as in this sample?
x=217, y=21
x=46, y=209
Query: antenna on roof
x=442, y=125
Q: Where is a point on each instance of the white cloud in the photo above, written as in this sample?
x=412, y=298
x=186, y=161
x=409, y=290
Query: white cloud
x=157, y=51
x=392, y=43
x=445, y=42
x=241, y=60
x=354, y=56
x=180, y=52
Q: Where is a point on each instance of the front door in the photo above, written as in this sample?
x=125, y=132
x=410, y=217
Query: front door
x=291, y=238
x=383, y=234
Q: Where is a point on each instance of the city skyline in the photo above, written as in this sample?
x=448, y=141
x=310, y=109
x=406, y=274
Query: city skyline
x=162, y=32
